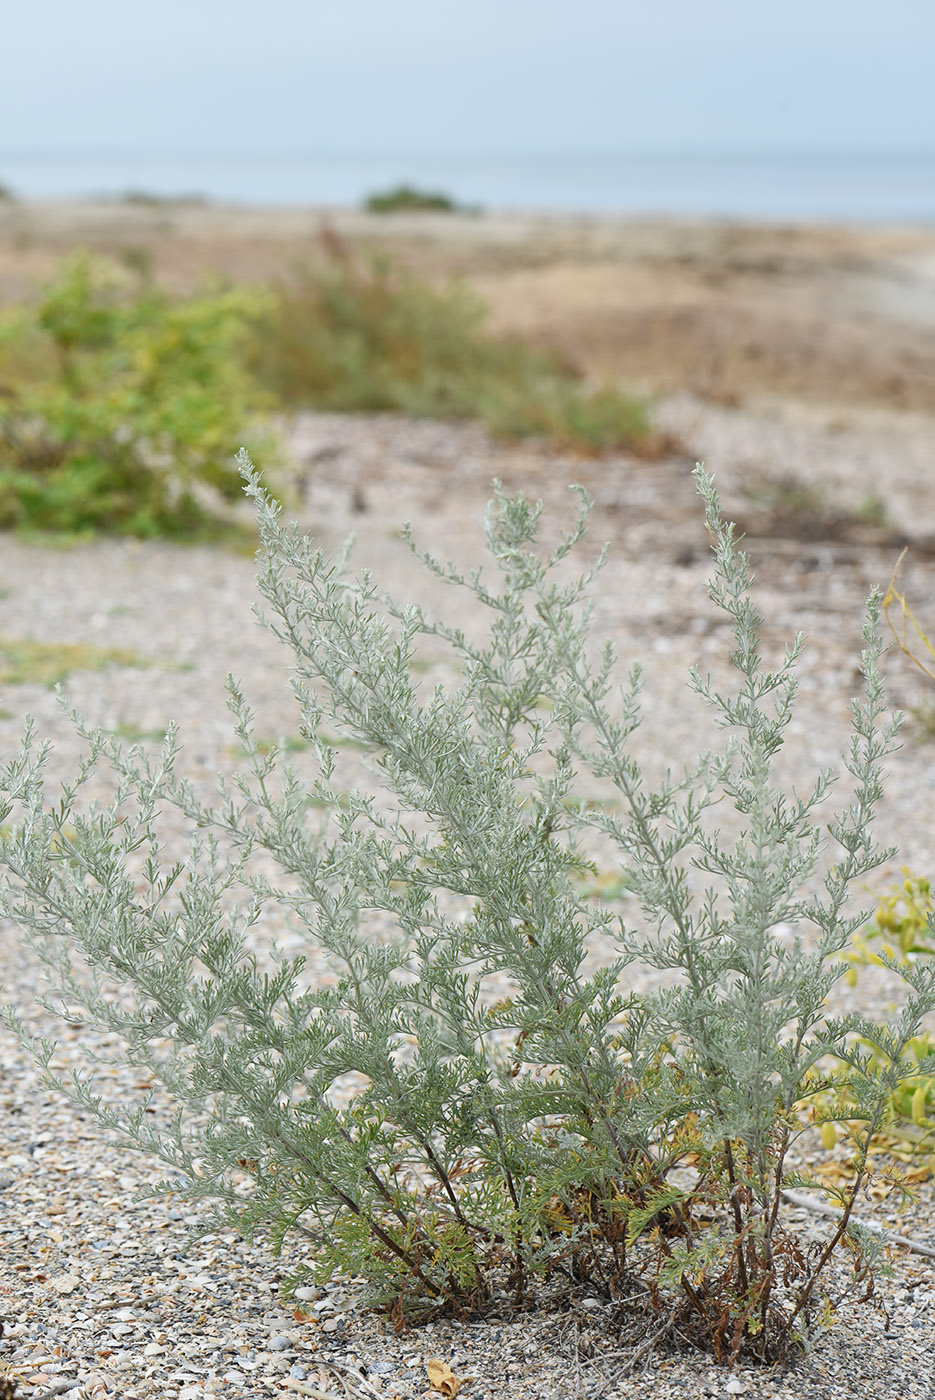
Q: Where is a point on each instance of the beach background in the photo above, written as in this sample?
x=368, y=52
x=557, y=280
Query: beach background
x=727, y=203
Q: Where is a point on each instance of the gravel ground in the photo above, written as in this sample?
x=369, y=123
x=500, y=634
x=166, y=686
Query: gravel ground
x=97, y=1296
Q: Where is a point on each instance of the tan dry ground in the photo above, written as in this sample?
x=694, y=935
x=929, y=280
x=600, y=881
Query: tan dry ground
x=834, y=316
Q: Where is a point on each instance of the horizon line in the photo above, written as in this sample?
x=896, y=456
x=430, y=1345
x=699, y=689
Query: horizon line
x=477, y=153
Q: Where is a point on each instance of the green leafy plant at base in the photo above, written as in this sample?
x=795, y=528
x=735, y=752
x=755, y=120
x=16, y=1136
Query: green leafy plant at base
x=358, y=337
x=460, y=1110
x=902, y=931
x=902, y=926
x=119, y=409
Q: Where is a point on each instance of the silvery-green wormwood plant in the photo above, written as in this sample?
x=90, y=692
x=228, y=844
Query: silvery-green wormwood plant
x=405, y=1119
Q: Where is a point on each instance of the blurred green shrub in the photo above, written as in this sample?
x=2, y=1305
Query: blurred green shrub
x=401, y=199
x=352, y=337
x=120, y=409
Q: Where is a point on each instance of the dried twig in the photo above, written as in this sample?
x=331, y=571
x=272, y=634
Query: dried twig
x=798, y=1198
x=311, y=1390
x=892, y=596
x=152, y=1302
x=634, y=1355
x=357, y=1378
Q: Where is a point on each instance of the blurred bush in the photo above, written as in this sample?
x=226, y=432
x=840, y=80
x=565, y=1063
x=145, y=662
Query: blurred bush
x=368, y=337
x=402, y=199
x=120, y=409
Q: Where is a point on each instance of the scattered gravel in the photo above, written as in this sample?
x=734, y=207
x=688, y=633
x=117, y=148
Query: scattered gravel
x=98, y=1297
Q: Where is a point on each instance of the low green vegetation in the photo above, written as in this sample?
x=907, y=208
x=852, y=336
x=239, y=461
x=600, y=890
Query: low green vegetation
x=787, y=504
x=901, y=933
x=405, y=199
x=353, y=336
x=465, y=1112
x=120, y=409
x=27, y=662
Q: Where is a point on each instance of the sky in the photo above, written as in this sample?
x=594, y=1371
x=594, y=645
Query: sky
x=467, y=75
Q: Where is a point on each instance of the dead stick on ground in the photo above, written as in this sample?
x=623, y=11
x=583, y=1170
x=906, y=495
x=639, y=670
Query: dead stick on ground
x=797, y=1198
x=310, y=1390
x=634, y=1355
x=356, y=1377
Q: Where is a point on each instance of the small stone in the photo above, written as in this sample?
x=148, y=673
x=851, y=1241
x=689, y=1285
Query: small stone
x=297, y=1372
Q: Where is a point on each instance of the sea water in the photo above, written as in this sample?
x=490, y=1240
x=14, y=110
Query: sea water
x=880, y=187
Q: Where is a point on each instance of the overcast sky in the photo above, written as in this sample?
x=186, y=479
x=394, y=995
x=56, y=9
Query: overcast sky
x=466, y=75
